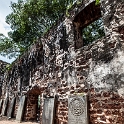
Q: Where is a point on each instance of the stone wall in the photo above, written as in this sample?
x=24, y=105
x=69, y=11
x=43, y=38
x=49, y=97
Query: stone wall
x=106, y=107
x=59, y=65
x=2, y=74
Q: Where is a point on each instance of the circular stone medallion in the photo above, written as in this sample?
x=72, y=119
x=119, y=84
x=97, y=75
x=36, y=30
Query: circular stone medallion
x=76, y=106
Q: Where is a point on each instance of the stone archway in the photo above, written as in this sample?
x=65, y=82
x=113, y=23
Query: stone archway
x=32, y=111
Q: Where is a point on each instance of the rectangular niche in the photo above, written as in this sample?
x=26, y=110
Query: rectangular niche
x=78, y=109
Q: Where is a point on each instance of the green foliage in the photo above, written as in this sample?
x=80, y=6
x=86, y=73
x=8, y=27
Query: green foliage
x=10, y=48
x=8, y=67
x=29, y=20
x=93, y=32
x=97, y=2
x=7, y=46
x=69, y=7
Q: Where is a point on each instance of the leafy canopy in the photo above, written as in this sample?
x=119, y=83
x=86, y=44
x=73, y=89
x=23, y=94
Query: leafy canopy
x=29, y=20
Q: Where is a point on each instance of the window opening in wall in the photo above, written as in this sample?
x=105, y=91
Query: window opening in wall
x=93, y=32
x=88, y=25
x=63, y=41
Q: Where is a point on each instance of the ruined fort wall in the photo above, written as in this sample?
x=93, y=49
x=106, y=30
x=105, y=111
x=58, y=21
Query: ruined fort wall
x=2, y=81
x=55, y=68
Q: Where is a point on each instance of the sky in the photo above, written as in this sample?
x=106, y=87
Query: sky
x=4, y=27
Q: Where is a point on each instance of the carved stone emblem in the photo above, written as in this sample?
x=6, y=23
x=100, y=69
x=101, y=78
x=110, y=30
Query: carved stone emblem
x=76, y=106
x=78, y=109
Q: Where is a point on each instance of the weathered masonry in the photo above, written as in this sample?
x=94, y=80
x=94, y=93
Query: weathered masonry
x=2, y=76
x=60, y=80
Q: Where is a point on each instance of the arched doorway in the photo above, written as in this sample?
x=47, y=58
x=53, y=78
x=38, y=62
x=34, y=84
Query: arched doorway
x=32, y=111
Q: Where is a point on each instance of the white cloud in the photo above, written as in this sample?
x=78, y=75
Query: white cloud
x=4, y=27
x=4, y=11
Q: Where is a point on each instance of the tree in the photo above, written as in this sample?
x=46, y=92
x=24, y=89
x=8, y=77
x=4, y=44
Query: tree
x=29, y=20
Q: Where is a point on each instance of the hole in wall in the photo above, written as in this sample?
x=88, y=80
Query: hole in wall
x=93, y=32
x=88, y=25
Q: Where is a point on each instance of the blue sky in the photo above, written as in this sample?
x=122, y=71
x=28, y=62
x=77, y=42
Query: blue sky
x=4, y=27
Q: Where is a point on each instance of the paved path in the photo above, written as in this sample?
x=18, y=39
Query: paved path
x=15, y=122
x=3, y=120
